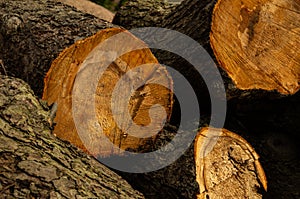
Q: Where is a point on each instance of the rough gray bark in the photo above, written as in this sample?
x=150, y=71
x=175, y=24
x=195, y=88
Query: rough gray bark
x=177, y=180
x=139, y=13
x=33, y=32
x=36, y=164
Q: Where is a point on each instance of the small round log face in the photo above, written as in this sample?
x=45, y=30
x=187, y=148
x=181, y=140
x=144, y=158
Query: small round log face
x=227, y=166
x=257, y=43
x=60, y=85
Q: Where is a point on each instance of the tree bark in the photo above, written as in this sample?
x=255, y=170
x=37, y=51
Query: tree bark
x=137, y=13
x=36, y=164
x=33, y=32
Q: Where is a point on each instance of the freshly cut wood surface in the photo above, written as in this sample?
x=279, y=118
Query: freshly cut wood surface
x=257, y=43
x=227, y=166
x=59, y=84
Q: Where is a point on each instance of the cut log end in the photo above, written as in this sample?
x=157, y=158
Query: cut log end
x=147, y=82
x=227, y=166
x=257, y=43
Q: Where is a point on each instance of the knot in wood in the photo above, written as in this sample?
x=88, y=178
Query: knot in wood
x=11, y=24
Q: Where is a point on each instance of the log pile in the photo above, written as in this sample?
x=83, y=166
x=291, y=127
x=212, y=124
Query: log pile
x=251, y=57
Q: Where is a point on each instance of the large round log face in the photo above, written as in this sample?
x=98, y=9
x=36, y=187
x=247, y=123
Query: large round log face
x=257, y=43
x=146, y=81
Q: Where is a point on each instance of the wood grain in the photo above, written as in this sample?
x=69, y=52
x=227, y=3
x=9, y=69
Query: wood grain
x=59, y=84
x=257, y=43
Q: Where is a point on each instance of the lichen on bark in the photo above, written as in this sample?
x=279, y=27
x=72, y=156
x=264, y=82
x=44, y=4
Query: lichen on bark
x=36, y=164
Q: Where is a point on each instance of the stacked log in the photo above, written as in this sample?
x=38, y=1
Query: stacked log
x=33, y=33
x=59, y=88
x=251, y=79
x=35, y=164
